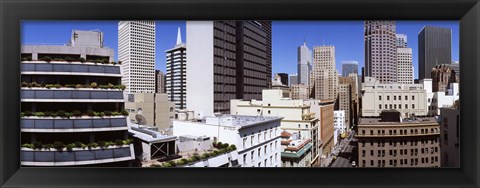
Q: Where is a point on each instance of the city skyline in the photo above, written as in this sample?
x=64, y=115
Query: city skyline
x=346, y=36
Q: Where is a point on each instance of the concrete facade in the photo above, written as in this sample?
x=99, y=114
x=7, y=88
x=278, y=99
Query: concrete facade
x=158, y=111
x=450, y=136
x=380, y=50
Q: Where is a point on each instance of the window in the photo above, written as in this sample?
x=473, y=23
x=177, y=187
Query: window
x=269, y=112
x=371, y=152
x=413, y=97
x=251, y=139
x=380, y=98
x=413, y=106
x=406, y=106
x=379, y=106
x=259, y=151
x=388, y=98
x=394, y=97
x=406, y=97
x=244, y=142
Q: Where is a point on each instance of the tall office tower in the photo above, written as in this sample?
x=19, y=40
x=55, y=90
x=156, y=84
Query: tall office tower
x=349, y=67
x=234, y=60
x=434, y=48
x=293, y=79
x=380, y=51
x=283, y=78
x=136, y=51
x=401, y=40
x=442, y=76
x=304, y=64
x=60, y=95
x=345, y=100
x=325, y=75
x=176, y=73
x=159, y=81
x=404, y=66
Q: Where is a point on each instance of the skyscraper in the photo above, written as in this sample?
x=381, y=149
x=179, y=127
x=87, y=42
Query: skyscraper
x=325, y=75
x=176, y=74
x=227, y=60
x=159, y=81
x=380, y=50
x=349, y=67
x=404, y=66
x=136, y=51
x=434, y=48
x=304, y=64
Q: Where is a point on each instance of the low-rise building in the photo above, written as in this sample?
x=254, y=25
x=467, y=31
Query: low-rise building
x=297, y=119
x=408, y=99
x=392, y=141
x=256, y=138
x=324, y=111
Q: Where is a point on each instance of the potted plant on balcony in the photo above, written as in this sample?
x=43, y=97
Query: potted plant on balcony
x=58, y=145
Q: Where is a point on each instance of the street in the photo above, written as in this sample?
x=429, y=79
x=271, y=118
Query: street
x=346, y=152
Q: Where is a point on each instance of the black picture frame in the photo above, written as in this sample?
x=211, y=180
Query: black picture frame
x=12, y=12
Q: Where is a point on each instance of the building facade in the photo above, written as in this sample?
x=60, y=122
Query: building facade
x=159, y=82
x=339, y=118
x=325, y=81
x=72, y=105
x=412, y=143
x=324, y=111
x=299, y=125
x=442, y=76
x=136, y=51
x=293, y=79
x=349, y=67
x=404, y=66
x=176, y=73
x=257, y=139
x=408, y=99
x=449, y=138
x=380, y=50
x=235, y=59
x=345, y=102
x=157, y=110
x=299, y=92
x=434, y=48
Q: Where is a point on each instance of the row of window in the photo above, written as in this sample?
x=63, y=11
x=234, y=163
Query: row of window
x=413, y=152
x=393, y=162
x=395, y=106
x=257, y=138
x=404, y=131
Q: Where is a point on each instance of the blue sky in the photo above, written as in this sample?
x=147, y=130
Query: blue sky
x=346, y=36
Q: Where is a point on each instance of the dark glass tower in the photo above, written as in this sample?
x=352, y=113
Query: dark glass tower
x=434, y=48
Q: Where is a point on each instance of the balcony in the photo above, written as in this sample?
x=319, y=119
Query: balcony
x=71, y=95
x=77, y=124
x=30, y=157
x=65, y=68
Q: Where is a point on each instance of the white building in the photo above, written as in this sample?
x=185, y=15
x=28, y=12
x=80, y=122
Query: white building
x=297, y=119
x=439, y=99
x=136, y=51
x=339, y=121
x=256, y=138
x=408, y=99
x=176, y=73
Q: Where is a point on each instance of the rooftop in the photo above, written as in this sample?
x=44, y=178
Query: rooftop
x=405, y=121
x=145, y=134
x=238, y=120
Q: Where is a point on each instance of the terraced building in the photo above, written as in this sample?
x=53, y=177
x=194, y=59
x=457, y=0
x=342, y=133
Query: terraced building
x=72, y=105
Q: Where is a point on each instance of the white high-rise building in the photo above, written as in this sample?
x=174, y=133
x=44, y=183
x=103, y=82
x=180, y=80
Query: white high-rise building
x=404, y=66
x=176, y=79
x=401, y=40
x=304, y=64
x=136, y=51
